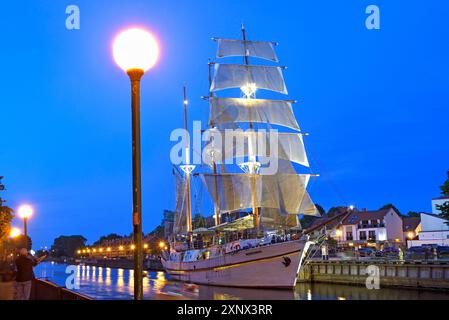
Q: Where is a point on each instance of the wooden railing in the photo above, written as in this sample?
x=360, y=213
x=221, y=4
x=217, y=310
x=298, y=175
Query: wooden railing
x=46, y=290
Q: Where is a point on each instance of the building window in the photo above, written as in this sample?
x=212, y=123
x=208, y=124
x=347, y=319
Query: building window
x=349, y=235
x=362, y=235
x=364, y=224
x=372, y=235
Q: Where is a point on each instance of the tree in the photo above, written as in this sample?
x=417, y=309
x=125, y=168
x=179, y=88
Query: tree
x=158, y=232
x=111, y=236
x=336, y=210
x=306, y=220
x=391, y=206
x=67, y=245
x=413, y=214
x=198, y=221
x=444, y=208
x=19, y=242
x=445, y=186
x=6, y=216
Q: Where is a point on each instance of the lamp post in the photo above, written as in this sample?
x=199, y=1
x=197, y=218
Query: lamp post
x=136, y=51
x=25, y=212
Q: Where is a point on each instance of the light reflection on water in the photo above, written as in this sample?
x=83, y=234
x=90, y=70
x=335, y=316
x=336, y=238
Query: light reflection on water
x=109, y=283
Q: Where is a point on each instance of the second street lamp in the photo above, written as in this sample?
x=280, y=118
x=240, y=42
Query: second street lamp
x=136, y=51
x=25, y=212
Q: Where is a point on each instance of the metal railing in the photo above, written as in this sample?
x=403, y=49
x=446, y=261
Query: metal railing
x=46, y=290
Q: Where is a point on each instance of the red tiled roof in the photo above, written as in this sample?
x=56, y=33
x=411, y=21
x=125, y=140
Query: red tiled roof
x=356, y=217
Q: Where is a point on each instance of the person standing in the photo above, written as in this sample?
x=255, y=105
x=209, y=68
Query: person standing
x=401, y=255
x=24, y=274
x=324, y=252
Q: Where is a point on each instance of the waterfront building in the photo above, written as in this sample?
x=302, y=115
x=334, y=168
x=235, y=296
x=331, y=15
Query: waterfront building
x=361, y=228
x=374, y=228
x=434, y=231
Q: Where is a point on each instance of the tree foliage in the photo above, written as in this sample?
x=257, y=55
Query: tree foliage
x=444, y=208
x=6, y=216
x=66, y=246
x=19, y=242
x=199, y=221
x=111, y=236
x=159, y=231
x=445, y=186
x=413, y=214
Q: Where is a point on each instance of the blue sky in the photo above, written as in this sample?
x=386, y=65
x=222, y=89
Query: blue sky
x=375, y=102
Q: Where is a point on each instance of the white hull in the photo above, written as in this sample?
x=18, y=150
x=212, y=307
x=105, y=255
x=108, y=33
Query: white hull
x=270, y=266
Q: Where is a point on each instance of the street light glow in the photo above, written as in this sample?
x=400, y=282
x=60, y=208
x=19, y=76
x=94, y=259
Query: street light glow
x=135, y=49
x=25, y=211
x=15, y=232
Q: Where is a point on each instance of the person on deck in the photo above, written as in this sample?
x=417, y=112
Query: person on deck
x=24, y=274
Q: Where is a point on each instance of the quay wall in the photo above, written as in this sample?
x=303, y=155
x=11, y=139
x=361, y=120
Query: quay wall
x=413, y=275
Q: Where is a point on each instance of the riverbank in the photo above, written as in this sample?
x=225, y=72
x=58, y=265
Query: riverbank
x=394, y=274
x=118, y=284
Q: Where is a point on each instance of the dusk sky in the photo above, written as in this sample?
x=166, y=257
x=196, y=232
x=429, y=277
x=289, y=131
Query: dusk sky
x=375, y=102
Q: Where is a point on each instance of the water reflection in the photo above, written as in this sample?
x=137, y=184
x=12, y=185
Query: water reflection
x=107, y=283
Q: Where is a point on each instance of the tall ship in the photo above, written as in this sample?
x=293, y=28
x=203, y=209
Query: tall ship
x=251, y=165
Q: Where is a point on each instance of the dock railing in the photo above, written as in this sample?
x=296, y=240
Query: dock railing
x=46, y=290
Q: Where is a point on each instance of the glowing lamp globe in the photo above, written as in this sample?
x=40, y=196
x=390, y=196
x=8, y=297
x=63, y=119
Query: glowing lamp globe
x=25, y=211
x=15, y=232
x=135, y=49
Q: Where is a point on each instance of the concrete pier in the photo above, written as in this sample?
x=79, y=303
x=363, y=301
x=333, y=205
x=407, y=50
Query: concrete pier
x=414, y=275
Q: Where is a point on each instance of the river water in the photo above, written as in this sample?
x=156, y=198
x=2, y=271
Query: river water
x=109, y=283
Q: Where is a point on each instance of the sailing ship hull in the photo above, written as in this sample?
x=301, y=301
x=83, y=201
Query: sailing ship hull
x=271, y=266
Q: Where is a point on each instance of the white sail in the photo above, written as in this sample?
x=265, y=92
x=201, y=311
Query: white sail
x=268, y=146
x=284, y=192
x=276, y=219
x=231, y=110
x=307, y=207
x=258, y=49
x=228, y=76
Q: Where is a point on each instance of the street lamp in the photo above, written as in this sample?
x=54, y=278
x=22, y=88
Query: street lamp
x=14, y=232
x=25, y=212
x=136, y=51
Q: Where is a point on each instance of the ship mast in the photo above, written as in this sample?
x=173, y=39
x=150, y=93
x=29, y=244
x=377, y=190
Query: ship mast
x=188, y=169
x=214, y=164
x=252, y=165
x=284, y=189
